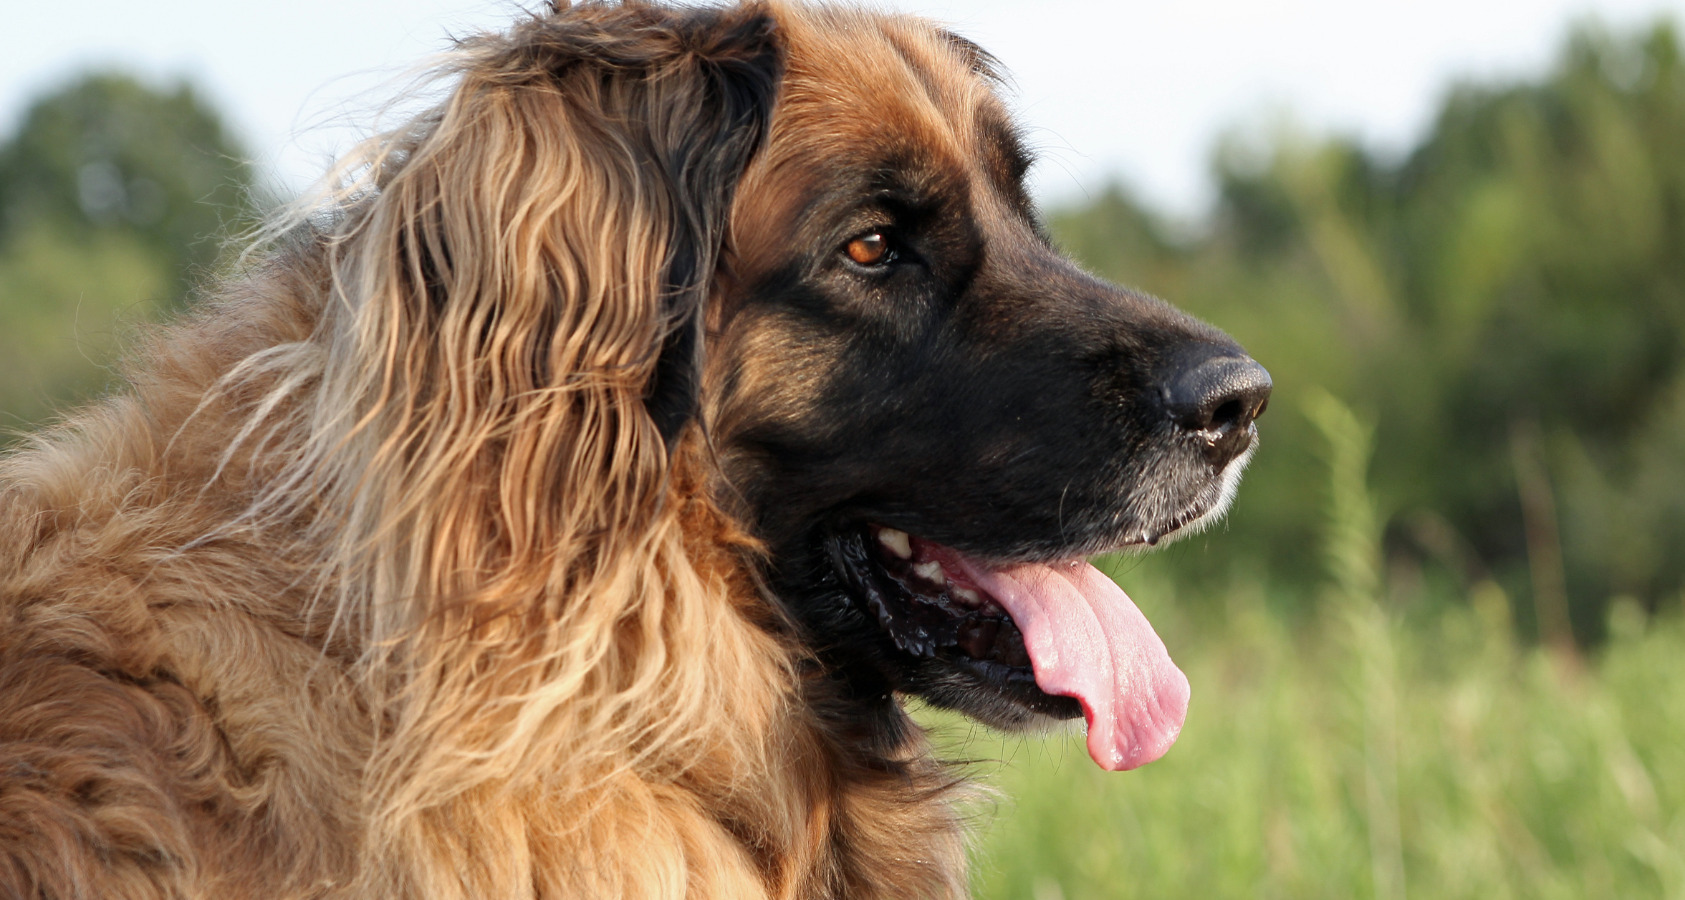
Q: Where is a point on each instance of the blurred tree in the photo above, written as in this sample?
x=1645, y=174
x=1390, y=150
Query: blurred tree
x=1508, y=302
x=114, y=197
x=108, y=153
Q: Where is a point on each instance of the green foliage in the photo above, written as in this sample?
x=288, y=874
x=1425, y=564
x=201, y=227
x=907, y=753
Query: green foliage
x=1495, y=771
x=1507, y=304
x=107, y=153
x=114, y=197
x=67, y=302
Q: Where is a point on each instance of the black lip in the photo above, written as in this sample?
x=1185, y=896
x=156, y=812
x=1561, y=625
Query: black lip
x=919, y=628
x=1019, y=685
x=1147, y=537
x=933, y=634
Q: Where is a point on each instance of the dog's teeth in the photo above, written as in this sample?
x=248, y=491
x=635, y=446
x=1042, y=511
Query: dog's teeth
x=931, y=571
x=895, y=542
x=967, y=596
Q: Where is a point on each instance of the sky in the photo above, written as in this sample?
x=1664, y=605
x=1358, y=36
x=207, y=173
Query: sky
x=1110, y=89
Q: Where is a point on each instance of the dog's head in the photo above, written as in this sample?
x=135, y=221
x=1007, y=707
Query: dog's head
x=805, y=233
x=934, y=417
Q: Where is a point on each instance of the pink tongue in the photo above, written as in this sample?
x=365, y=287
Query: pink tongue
x=1087, y=640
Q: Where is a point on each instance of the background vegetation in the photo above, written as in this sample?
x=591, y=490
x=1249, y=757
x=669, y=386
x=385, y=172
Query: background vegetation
x=1507, y=302
x=115, y=197
x=1436, y=648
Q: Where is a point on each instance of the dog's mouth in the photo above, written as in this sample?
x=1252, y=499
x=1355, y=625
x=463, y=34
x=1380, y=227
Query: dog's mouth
x=1057, y=639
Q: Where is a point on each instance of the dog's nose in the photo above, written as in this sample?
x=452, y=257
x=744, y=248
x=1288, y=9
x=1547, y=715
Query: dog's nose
x=1216, y=393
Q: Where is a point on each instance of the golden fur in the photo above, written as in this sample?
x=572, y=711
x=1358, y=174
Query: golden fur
x=380, y=581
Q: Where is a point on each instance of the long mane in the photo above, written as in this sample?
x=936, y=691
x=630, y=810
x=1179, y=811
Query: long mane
x=494, y=512
x=404, y=546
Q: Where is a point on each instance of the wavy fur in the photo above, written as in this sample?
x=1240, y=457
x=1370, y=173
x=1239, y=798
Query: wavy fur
x=399, y=571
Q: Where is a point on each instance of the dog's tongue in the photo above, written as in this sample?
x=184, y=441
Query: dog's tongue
x=1087, y=640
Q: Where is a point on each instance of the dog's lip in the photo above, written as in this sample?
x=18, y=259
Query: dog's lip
x=929, y=608
x=1150, y=536
x=1143, y=537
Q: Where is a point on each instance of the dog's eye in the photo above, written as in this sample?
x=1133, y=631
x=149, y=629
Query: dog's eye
x=870, y=250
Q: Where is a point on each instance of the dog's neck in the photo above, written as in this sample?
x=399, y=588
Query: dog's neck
x=830, y=805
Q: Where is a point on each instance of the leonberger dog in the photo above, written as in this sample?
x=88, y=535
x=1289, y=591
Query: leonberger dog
x=570, y=505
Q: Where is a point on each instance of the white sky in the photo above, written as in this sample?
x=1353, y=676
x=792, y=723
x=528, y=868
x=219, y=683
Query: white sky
x=1121, y=88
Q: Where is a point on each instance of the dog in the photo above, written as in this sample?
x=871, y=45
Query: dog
x=567, y=508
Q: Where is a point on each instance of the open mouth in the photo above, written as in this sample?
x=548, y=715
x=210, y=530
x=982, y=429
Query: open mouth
x=1056, y=638
x=919, y=595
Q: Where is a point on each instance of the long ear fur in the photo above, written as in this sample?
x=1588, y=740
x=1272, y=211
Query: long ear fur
x=514, y=339
x=703, y=157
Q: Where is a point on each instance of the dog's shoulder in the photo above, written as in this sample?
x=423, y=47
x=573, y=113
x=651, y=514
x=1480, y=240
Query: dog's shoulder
x=159, y=687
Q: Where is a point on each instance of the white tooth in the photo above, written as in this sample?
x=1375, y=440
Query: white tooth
x=931, y=572
x=969, y=596
x=895, y=542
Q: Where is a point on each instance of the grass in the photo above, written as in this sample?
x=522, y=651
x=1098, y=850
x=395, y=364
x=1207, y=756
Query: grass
x=66, y=301
x=1360, y=755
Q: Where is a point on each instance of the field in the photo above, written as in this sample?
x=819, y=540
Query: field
x=1360, y=751
x=1365, y=757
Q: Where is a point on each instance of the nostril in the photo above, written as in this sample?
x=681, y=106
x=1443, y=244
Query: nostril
x=1217, y=393
x=1226, y=415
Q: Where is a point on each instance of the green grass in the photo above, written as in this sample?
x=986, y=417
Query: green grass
x=1427, y=761
x=66, y=302
x=1360, y=753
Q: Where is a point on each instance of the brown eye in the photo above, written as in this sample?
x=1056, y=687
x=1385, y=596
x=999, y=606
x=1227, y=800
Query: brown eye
x=869, y=249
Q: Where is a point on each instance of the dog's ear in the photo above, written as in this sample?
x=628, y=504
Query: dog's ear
x=523, y=287
x=705, y=132
x=511, y=347
x=692, y=91
x=578, y=183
